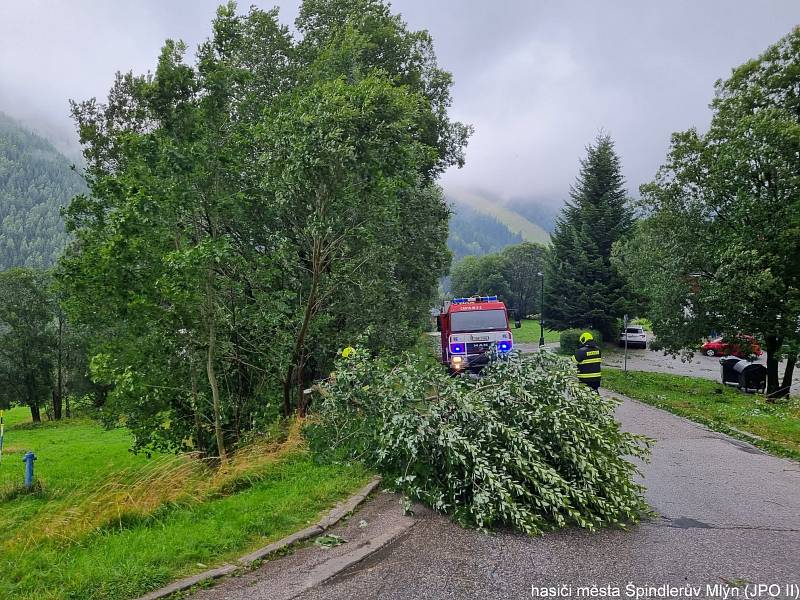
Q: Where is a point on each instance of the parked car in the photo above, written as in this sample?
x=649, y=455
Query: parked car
x=635, y=335
x=744, y=346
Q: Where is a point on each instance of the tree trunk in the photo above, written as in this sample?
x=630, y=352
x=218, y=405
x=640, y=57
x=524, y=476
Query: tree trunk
x=58, y=393
x=294, y=373
x=200, y=442
x=773, y=344
x=786, y=384
x=212, y=376
x=303, y=399
x=36, y=415
x=56, y=405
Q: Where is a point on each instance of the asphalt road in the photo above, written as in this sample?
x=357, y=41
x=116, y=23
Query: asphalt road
x=700, y=365
x=728, y=514
x=707, y=367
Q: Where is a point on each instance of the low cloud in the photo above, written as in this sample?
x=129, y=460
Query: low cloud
x=538, y=80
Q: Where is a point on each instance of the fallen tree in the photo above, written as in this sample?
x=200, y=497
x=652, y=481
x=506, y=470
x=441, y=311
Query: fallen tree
x=525, y=446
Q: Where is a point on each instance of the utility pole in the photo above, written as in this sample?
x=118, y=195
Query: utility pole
x=541, y=313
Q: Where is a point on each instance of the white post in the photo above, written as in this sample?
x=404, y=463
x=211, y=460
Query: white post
x=625, y=333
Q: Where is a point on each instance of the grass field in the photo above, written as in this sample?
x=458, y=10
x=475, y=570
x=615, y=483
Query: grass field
x=720, y=408
x=111, y=524
x=529, y=333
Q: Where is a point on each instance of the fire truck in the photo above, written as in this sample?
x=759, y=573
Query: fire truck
x=472, y=331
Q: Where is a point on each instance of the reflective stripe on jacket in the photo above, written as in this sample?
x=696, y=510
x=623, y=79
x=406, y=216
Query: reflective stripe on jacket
x=589, y=362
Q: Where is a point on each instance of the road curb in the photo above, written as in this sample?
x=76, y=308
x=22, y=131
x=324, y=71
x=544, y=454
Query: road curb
x=338, y=512
x=332, y=568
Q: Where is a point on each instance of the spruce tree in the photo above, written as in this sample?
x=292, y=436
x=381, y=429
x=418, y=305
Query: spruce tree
x=582, y=287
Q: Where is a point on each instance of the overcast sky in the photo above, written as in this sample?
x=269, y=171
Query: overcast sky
x=538, y=79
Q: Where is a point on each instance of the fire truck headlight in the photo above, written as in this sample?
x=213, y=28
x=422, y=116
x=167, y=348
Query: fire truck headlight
x=456, y=361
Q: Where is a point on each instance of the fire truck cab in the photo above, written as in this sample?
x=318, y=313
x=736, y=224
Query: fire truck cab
x=471, y=330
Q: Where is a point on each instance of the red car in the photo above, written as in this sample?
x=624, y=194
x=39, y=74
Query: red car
x=743, y=347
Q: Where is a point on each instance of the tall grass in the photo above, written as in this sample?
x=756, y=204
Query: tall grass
x=106, y=523
x=132, y=494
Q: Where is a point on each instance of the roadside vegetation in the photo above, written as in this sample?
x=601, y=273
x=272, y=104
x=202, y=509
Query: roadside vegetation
x=584, y=289
x=104, y=523
x=775, y=427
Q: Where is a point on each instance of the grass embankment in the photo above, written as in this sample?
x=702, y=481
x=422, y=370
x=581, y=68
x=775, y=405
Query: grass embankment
x=111, y=524
x=719, y=407
x=529, y=333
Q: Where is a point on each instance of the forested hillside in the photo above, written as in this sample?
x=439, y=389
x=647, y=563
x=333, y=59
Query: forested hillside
x=476, y=233
x=540, y=212
x=494, y=207
x=35, y=182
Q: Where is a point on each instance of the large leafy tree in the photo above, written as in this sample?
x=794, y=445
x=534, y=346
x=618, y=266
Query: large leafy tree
x=512, y=274
x=582, y=286
x=720, y=248
x=251, y=212
x=26, y=339
x=524, y=264
x=483, y=275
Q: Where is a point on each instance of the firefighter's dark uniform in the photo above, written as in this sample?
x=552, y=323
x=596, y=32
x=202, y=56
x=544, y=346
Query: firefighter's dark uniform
x=589, y=362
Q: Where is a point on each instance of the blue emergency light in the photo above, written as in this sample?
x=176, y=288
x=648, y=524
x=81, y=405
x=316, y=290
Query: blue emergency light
x=504, y=346
x=457, y=348
x=475, y=299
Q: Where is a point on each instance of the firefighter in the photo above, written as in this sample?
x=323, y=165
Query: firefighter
x=589, y=361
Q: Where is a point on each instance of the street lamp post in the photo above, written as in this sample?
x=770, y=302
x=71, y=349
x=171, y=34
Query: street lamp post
x=541, y=313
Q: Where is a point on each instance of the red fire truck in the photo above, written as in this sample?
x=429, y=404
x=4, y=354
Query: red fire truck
x=471, y=330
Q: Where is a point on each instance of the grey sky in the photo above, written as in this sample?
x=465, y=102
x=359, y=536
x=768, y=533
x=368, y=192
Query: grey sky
x=537, y=79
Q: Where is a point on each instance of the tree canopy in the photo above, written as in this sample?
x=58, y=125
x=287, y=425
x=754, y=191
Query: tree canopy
x=26, y=339
x=512, y=274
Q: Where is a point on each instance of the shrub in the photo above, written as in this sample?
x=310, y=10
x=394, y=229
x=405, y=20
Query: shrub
x=569, y=340
x=526, y=445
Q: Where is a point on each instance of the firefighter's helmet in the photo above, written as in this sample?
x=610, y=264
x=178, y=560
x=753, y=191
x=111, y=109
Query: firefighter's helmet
x=586, y=337
x=348, y=352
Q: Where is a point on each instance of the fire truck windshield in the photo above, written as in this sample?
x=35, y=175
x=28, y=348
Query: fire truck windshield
x=478, y=320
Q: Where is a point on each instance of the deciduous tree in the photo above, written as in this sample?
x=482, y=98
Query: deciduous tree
x=26, y=339
x=250, y=212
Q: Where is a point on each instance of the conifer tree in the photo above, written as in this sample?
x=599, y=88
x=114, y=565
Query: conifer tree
x=583, y=288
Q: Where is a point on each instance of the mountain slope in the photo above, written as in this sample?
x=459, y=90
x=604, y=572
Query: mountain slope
x=35, y=182
x=515, y=222
x=541, y=212
x=475, y=233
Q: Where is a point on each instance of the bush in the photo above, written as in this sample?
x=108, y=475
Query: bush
x=526, y=445
x=570, y=339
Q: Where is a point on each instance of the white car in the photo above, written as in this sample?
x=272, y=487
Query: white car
x=635, y=335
